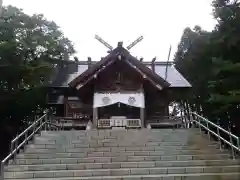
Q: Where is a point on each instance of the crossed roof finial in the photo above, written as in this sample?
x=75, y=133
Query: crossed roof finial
x=120, y=44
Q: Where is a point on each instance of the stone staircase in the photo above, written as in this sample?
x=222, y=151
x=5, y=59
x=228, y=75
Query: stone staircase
x=163, y=154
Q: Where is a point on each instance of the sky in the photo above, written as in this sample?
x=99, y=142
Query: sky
x=160, y=22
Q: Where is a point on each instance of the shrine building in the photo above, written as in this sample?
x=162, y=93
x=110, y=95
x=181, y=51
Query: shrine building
x=117, y=91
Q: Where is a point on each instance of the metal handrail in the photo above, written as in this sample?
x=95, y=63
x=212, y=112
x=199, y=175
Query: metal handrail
x=26, y=130
x=199, y=119
x=220, y=128
x=16, y=145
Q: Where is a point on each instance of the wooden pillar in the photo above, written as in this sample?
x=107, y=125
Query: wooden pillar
x=95, y=118
x=142, y=117
x=142, y=110
x=65, y=100
x=89, y=62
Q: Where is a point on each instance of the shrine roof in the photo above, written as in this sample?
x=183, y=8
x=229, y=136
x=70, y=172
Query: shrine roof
x=73, y=72
x=118, y=54
x=65, y=75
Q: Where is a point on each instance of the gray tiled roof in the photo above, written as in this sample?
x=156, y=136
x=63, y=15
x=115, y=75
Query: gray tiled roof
x=64, y=75
x=173, y=76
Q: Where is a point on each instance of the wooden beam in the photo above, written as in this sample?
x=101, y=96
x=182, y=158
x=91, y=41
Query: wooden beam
x=135, y=42
x=80, y=85
x=144, y=75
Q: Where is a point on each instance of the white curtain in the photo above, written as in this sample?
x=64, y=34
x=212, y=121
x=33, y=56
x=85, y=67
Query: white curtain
x=106, y=99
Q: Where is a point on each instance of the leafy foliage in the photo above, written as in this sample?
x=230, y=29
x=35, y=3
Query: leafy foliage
x=210, y=61
x=27, y=46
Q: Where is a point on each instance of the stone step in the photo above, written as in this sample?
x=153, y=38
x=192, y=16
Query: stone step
x=121, y=141
x=120, y=144
x=123, y=154
x=74, y=160
x=119, y=138
x=122, y=172
x=129, y=152
x=113, y=149
x=117, y=165
x=145, y=136
x=192, y=176
x=111, y=136
x=123, y=131
x=70, y=153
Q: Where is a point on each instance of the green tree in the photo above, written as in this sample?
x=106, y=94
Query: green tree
x=28, y=45
x=224, y=87
x=193, y=62
x=210, y=61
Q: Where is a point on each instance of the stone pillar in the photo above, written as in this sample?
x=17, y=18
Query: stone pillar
x=95, y=117
x=142, y=117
